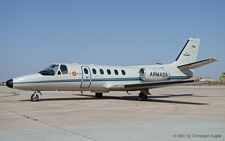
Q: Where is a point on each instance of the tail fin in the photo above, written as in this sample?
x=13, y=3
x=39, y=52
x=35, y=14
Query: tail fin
x=189, y=53
x=186, y=60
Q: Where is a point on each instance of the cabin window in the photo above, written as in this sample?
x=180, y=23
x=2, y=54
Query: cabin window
x=116, y=72
x=63, y=69
x=109, y=72
x=94, y=71
x=85, y=71
x=123, y=72
x=101, y=71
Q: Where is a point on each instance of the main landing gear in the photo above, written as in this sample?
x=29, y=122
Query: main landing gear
x=34, y=96
x=98, y=95
x=142, y=96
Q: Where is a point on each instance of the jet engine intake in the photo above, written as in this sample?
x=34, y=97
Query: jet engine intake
x=153, y=74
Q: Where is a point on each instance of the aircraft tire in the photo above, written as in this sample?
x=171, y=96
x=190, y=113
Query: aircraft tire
x=98, y=95
x=142, y=96
x=34, y=97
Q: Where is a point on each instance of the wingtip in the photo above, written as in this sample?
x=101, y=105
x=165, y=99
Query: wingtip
x=213, y=59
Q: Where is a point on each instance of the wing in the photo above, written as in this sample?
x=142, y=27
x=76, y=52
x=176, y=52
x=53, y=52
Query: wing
x=147, y=85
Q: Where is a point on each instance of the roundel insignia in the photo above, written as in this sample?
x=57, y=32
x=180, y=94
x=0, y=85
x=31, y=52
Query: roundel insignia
x=74, y=73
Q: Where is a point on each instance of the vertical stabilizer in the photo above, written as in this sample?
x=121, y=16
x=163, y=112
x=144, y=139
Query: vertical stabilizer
x=189, y=52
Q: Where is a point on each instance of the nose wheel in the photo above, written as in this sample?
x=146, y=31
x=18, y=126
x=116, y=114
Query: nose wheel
x=34, y=96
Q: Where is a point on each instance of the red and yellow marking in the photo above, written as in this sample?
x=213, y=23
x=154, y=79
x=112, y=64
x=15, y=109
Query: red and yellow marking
x=74, y=73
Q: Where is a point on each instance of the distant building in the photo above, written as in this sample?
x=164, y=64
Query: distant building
x=194, y=78
x=222, y=78
x=205, y=78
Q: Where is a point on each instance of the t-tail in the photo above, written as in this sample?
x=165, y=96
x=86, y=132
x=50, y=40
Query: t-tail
x=186, y=61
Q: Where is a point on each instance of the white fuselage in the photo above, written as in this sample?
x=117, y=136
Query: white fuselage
x=96, y=78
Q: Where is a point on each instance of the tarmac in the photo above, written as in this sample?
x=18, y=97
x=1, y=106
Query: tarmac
x=171, y=113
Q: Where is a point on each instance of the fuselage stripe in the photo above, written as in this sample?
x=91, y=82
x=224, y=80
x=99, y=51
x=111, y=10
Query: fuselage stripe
x=98, y=80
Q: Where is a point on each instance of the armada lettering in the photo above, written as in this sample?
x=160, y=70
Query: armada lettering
x=162, y=74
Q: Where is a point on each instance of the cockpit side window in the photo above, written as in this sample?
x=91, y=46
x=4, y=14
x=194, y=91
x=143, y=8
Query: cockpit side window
x=51, y=70
x=59, y=72
x=54, y=68
x=63, y=69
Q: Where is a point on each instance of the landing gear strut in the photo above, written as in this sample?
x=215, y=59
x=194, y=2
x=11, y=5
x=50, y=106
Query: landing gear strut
x=142, y=96
x=98, y=95
x=34, y=96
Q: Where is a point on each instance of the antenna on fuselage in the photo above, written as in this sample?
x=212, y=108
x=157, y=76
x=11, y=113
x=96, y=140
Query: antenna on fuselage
x=167, y=53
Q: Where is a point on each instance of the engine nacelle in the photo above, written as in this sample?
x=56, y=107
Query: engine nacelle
x=153, y=74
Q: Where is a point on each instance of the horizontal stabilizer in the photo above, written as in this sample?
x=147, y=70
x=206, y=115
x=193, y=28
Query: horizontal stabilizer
x=197, y=64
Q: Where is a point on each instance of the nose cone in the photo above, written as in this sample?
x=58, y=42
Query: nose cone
x=9, y=83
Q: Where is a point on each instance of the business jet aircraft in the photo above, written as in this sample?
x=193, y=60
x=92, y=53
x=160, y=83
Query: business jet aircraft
x=101, y=79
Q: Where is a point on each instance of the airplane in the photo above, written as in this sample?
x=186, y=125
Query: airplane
x=101, y=79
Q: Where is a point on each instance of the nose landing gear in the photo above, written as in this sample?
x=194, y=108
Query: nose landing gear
x=34, y=96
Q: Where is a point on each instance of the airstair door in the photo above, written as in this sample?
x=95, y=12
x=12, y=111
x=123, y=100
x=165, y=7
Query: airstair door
x=86, y=77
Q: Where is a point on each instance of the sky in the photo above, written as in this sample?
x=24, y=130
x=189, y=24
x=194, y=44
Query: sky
x=36, y=33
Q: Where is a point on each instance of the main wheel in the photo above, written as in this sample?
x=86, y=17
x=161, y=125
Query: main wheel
x=98, y=95
x=142, y=96
x=34, y=97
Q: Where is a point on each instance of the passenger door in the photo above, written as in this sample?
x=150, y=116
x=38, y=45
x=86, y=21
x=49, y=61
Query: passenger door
x=86, y=77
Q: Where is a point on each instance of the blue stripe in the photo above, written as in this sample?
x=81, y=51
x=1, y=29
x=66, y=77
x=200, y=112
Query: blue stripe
x=98, y=80
x=84, y=80
x=117, y=79
x=180, y=77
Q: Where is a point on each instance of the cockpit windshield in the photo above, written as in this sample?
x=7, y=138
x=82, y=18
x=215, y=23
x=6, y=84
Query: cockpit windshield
x=51, y=70
x=55, y=69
